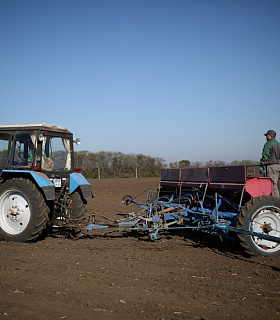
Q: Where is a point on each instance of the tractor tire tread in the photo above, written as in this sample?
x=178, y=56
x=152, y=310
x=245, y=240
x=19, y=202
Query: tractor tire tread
x=42, y=210
x=243, y=223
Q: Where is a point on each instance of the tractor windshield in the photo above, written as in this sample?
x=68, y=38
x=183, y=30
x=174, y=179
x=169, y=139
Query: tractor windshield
x=56, y=154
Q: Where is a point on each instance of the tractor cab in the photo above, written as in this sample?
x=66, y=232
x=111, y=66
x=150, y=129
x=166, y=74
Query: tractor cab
x=38, y=147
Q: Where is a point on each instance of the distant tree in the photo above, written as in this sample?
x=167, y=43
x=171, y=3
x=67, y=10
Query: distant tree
x=209, y=163
x=184, y=164
x=173, y=165
x=197, y=164
x=117, y=164
x=235, y=163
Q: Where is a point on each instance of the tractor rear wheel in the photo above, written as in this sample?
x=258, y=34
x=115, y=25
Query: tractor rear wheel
x=78, y=206
x=262, y=215
x=23, y=211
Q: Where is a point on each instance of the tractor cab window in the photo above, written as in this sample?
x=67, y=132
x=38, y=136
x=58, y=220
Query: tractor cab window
x=24, y=150
x=4, y=145
x=56, y=154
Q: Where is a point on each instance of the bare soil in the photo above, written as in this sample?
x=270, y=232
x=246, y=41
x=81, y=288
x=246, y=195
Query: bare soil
x=125, y=276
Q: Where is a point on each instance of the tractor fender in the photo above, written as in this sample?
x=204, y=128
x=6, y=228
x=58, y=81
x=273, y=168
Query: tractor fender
x=42, y=181
x=77, y=180
x=260, y=186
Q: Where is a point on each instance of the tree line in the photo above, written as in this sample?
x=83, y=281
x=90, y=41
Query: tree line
x=105, y=164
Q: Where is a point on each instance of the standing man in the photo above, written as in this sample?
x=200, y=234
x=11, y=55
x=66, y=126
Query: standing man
x=270, y=158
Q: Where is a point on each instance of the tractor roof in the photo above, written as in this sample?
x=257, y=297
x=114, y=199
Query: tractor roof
x=34, y=126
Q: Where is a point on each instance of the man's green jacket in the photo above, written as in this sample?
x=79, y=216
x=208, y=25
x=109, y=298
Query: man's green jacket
x=271, y=152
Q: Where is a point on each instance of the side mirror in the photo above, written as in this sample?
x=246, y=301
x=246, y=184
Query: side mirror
x=77, y=141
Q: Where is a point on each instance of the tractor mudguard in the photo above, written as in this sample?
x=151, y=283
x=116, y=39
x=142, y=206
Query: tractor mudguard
x=78, y=180
x=41, y=180
x=260, y=186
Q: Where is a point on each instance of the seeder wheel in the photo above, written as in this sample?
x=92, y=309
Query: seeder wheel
x=126, y=200
x=262, y=215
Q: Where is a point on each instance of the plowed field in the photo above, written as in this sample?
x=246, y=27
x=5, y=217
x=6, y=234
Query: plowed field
x=122, y=276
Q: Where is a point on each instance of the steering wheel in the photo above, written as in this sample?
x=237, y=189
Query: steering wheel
x=21, y=156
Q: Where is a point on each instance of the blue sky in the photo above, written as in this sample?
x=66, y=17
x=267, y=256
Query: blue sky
x=177, y=79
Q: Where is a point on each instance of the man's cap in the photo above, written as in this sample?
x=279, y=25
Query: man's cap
x=270, y=132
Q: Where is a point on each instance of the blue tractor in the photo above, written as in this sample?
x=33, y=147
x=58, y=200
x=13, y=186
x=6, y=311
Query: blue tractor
x=39, y=185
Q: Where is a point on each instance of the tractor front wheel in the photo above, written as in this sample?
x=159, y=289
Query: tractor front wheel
x=23, y=211
x=262, y=215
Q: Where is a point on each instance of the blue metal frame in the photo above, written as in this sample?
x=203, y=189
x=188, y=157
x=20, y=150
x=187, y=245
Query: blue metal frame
x=207, y=215
x=78, y=180
x=43, y=182
x=40, y=178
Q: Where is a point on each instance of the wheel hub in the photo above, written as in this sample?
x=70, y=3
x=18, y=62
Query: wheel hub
x=266, y=228
x=14, y=212
x=267, y=221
